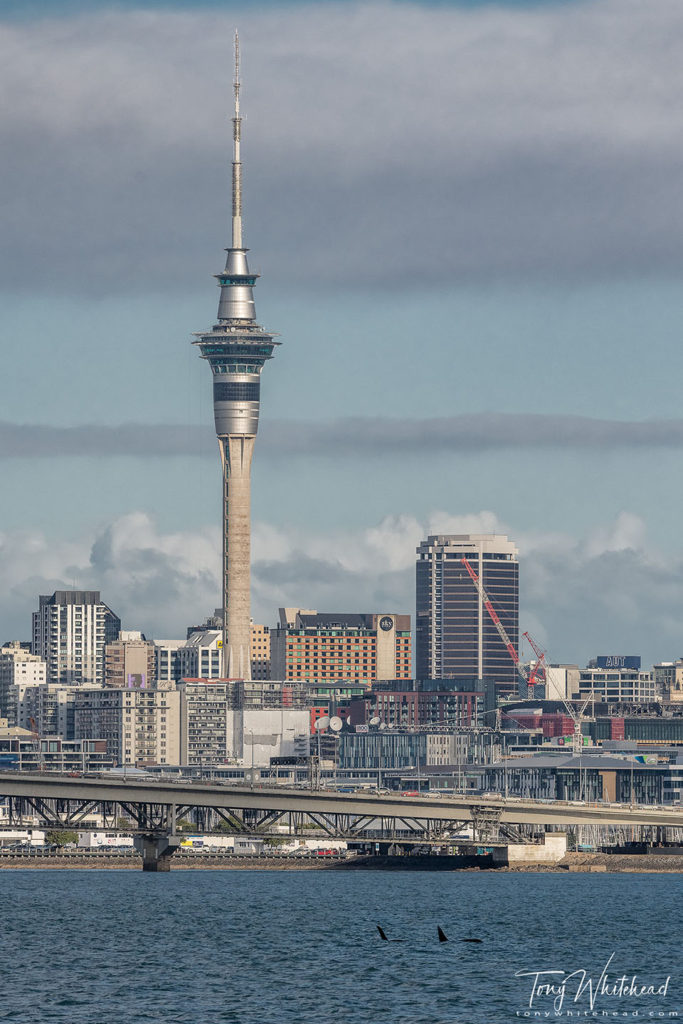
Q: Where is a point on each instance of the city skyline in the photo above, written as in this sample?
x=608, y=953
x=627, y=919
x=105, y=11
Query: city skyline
x=586, y=324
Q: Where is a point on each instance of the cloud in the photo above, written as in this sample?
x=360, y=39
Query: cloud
x=389, y=143
x=156, y=582
x=609, y=591
x=26, y=440
x=606, y=593
x=353, y=436
x=470, y=433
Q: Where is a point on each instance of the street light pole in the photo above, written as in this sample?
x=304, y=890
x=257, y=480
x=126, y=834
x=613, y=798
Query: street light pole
x=318, y=773
x=250, y=733
x=505, y=767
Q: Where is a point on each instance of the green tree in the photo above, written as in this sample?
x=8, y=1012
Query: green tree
x=58, y=837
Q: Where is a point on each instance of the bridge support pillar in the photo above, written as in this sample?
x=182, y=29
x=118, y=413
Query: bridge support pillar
x=485, y=823
x=156, y=851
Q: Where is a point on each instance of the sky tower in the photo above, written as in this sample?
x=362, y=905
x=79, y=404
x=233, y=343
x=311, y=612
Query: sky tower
x=236, y=348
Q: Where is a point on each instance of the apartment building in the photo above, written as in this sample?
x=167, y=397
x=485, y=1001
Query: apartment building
x=18, y=669
x=200, y=656
x=129, y=661
x=241, y=722
x=167, y=670
x=70, y=631
x=48, y=709
x=260, y=651
x=141, y=727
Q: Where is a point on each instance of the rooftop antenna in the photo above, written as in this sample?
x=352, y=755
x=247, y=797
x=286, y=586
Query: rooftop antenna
x=236, y=162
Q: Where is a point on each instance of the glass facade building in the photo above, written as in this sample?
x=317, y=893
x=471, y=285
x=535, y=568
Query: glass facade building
x=455, y=636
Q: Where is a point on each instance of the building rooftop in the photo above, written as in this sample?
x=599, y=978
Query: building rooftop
x=205, y=638
x=309, y=618
x=64, y=597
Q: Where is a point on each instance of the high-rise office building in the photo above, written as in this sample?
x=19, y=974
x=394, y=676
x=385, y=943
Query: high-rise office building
x=236, y=349
x=70, y=631
x=455, y=636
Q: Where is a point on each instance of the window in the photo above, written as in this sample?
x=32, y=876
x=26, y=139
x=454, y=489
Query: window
x=234, y=391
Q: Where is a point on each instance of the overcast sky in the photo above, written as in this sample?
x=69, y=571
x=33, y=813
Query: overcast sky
x=468, y=222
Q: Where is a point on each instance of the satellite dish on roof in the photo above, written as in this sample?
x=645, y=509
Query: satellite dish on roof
x=335, y=723
x=321, y=723
x=374, y=721
x=382, y=725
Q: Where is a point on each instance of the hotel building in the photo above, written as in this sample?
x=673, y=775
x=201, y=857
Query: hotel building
x=331, y=646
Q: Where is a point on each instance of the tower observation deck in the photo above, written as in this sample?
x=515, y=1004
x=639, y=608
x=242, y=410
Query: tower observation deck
x=236, y=349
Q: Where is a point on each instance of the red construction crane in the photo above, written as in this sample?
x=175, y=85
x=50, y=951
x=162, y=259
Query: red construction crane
x=540, y=668
x=512, y=651
x=577, y=716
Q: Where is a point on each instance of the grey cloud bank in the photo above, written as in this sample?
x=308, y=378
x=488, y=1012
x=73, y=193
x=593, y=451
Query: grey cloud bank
x=450, y=143
x=137, y=440
x=357, y=436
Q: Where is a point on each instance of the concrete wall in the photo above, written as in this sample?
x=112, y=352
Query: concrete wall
x=269, y=732
x=386, y=648
x=563, y=681
x=551, y=851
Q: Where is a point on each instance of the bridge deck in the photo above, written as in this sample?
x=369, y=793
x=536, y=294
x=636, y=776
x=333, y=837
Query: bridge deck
x=53, y=786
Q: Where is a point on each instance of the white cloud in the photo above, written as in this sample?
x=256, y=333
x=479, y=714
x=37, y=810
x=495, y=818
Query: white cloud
x=156, y=582
x=607, y=592
x=626, y=533
x=443, y=140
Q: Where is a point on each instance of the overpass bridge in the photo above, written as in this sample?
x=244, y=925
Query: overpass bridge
x=152, y=809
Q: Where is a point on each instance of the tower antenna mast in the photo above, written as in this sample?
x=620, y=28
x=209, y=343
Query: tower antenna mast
x=236, y=161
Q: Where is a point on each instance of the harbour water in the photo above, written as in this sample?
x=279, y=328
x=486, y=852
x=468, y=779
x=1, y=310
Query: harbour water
x=301, y=947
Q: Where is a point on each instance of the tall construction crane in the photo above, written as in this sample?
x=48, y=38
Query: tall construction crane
x=540, y=669
x=511, y=649
x=577, y=717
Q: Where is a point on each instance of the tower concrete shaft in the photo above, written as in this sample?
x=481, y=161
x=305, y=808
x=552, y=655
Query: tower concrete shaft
x=236, y=348
x=236, y=455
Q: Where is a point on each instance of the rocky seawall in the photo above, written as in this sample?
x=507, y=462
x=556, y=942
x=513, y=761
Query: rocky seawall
x=571, y=862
